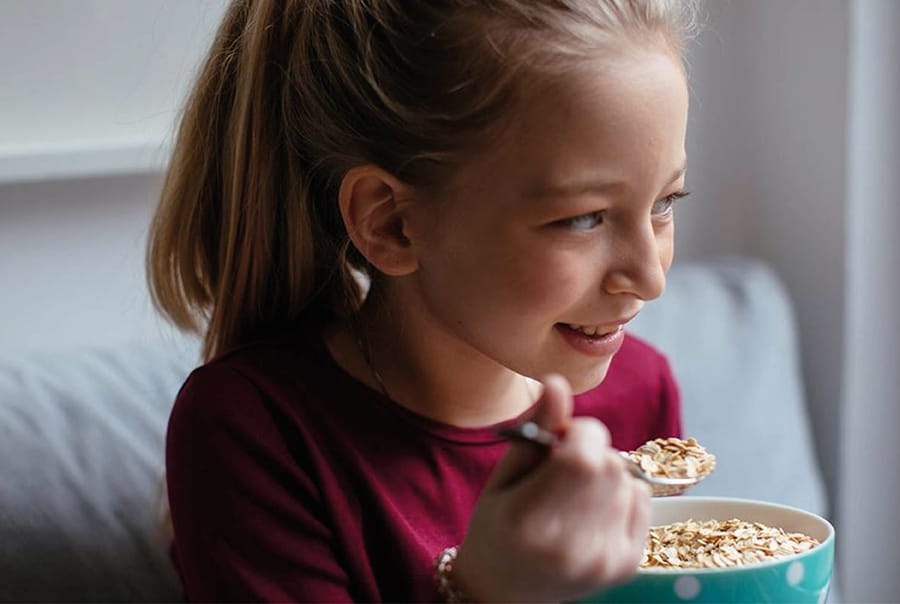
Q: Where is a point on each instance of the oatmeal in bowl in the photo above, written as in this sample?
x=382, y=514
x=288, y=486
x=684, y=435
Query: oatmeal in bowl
x=717, y=549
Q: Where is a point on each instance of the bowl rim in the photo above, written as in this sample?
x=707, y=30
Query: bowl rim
x=827, y=542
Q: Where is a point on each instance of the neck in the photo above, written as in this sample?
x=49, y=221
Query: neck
x=423, y=368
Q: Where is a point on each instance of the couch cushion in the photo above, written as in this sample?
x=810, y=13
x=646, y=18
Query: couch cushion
x=81, y=439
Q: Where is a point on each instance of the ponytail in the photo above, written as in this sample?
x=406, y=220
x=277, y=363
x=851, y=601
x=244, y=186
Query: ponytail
x=235, y=246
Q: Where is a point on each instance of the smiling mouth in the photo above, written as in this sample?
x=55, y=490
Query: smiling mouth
x=594, y=331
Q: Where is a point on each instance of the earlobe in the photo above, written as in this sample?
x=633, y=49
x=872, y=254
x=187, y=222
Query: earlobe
x=371, y=208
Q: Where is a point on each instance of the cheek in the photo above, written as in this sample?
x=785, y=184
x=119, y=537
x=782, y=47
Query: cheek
x=513, y=299
x=543, y=284
x=666, y=246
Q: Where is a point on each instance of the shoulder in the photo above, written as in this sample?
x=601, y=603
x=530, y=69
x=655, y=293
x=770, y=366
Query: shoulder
x=216, y=406
x=239, y=419
x=214, y=386
x=242, y=387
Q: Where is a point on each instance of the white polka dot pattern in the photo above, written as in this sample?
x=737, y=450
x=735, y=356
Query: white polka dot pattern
x=795, y=573
x=687, y=588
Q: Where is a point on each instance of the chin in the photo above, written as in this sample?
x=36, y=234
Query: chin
x=585, y=380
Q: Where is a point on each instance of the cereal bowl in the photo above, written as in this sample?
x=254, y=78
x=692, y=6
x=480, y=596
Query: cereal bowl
x=799, y=577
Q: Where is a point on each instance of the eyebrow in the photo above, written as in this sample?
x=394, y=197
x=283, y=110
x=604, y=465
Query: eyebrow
x=594, y=186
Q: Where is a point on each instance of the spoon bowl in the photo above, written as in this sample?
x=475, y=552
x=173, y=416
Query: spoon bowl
x=660, y=486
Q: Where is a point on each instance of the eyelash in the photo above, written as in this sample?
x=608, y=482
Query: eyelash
x=597, y=217
x=670, y=200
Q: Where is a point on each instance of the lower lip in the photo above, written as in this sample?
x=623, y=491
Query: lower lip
x=599, y=346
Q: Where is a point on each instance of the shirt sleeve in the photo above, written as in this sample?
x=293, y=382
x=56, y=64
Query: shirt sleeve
x=248, y=520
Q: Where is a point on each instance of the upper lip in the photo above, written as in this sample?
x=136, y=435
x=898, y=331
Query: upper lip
x=609, y=325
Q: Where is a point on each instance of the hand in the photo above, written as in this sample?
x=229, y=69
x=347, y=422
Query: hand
x=558, y=524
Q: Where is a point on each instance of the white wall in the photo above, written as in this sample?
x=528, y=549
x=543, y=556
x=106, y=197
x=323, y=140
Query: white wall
x=90, y=92
x=96, y=73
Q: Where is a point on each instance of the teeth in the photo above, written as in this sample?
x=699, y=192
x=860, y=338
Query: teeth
x=588, y=330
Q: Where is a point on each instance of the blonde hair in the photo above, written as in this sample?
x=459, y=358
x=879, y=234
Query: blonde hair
x=247, y=238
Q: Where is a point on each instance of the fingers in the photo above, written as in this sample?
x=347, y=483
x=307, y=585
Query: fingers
x=639, y=523
x=633, y=536
x=553, y=412
x=587, y=452
x=569, y=519
x=587, y=441
x=553, y=409
x=615, y=503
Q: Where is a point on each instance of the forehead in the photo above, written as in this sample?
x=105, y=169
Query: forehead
x=624, y=114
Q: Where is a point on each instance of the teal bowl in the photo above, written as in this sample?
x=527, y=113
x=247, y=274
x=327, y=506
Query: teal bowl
x=803, y=577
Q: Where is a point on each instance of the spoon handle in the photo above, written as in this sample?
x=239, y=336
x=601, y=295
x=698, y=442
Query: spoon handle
x=533, y=433
x=529, y=432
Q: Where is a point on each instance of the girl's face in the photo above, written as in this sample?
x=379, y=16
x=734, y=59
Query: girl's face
x=546, y=244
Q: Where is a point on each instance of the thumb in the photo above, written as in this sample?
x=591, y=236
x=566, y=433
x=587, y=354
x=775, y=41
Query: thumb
x=552, y=411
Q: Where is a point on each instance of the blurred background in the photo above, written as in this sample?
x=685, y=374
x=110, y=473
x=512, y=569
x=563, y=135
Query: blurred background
x=794, y=155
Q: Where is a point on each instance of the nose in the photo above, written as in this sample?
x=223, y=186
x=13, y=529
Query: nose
x=639, y=260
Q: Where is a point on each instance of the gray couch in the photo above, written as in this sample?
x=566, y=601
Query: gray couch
x=81, y=434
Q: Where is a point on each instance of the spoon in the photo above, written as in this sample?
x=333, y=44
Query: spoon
x=660, y=486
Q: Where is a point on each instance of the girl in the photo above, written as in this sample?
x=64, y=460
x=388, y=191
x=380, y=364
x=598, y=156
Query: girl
x=390, y=218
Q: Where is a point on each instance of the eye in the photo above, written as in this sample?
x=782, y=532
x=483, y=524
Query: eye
x=584, y=222
x=665, y=207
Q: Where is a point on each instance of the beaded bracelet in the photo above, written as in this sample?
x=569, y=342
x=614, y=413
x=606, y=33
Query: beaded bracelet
x=443, y=576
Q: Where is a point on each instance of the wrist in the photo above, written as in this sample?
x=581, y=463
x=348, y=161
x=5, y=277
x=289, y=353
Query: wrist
x=445, y=577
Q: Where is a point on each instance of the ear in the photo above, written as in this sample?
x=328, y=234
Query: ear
x=371, y=204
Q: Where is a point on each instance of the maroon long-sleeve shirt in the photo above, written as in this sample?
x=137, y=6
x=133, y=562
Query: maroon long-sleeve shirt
x=291, y=481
